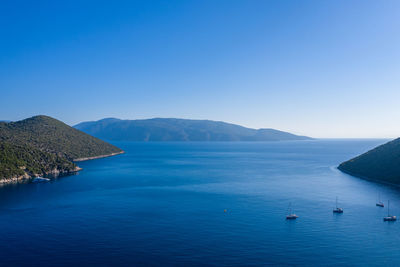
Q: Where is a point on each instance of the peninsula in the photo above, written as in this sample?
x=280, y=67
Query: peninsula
x=381, y=164
x=43, y=146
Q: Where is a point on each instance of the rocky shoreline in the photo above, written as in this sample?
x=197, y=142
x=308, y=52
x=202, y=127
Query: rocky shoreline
x=16, y=179
x=99, y=157
x=27, y=177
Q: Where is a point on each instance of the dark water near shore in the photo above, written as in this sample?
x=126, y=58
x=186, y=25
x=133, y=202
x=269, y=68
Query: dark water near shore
x=163, y=204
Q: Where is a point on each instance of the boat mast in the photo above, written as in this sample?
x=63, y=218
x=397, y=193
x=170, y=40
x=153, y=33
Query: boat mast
x=388, y=209
x=290, y=209
x=336, y=202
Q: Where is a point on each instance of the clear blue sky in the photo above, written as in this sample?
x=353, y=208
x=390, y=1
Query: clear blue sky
x=319, y=68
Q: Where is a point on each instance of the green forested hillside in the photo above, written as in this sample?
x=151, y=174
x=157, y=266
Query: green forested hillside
x=381, y=163
x=41, y=145
x=16, y=160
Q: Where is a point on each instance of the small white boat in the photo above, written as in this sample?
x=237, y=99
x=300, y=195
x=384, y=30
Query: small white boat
x=41, y=180
x=337, y=210
x=291, y=215
x=380, y=203
x=389, y=218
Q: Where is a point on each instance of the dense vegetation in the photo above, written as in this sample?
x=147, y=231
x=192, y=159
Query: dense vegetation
x=179, y=130
x=381, y=163
x=41, y=144
x=16, y=160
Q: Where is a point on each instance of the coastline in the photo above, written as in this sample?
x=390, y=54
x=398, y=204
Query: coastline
x=15, y=179
x=27, y=177
x=54, y=173
x=98, y=157
x=366, y=178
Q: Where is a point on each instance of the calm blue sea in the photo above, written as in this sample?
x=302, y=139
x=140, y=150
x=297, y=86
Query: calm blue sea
x=162, y=204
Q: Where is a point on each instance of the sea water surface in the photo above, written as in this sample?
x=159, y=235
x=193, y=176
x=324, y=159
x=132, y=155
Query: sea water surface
x=190, y=204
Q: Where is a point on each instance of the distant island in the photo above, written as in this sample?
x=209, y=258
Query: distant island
x=380, y=164
x=168, y=129
x=41, y=146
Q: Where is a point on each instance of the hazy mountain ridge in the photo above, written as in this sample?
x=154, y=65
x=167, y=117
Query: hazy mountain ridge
x=42, y=145
x=171, y=129
x=380, y=164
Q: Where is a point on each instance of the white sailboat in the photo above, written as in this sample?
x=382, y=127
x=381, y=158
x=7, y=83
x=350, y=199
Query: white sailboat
x=380, y=203
x=337, y=209
x=389, y=218
x=291, y=215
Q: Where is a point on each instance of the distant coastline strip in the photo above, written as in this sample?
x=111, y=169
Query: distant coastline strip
x=99, y=157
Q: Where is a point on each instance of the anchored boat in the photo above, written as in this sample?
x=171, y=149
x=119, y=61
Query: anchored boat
x=389, y=218
x=337, y=209
x=291, y=215
x=380, y=203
